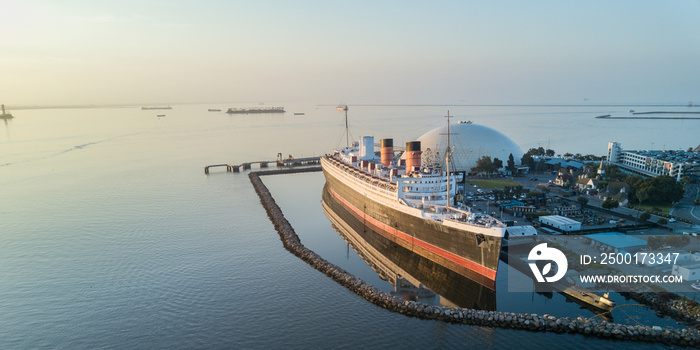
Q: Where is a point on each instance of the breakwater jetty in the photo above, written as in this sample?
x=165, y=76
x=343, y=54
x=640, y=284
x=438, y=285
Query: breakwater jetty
x=531, y=322
x=280, y=162
x=638, y=115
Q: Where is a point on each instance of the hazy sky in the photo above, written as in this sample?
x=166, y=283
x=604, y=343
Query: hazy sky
x=104, y=52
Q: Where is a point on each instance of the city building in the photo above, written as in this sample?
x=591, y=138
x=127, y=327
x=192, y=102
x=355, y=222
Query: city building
x=688, y=272
x=650, y=163
x=560, y=223
x=561, y=162
x=616, y=242
x=618, y=191
x=585, y=183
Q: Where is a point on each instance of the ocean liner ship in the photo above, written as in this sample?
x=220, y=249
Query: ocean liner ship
x=412, y=276
x=411, y=205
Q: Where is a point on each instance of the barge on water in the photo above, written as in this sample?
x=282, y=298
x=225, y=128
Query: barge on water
x=147, y=108
x=255, y=110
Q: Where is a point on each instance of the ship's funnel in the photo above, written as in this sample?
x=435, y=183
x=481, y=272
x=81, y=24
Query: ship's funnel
x=413, y=154
x=387, y=152
x=3, y=109
x=367, y=147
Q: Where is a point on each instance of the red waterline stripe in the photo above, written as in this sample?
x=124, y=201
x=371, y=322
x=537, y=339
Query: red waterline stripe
x=480, y=269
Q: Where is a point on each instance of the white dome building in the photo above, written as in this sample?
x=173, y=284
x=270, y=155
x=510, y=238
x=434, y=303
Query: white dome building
x=470, y=142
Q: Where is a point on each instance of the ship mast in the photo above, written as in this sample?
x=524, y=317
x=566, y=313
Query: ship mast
x=347, y=138
x=447, y=159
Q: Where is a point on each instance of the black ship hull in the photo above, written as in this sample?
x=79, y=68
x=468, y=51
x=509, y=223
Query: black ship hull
x=454, y=287
x=469, y=253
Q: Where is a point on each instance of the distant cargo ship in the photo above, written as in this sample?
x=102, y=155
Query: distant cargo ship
x=255, y=110
x=155, y=107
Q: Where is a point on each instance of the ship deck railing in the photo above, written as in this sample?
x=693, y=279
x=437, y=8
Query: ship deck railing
x=459, y=215
x=365, y=176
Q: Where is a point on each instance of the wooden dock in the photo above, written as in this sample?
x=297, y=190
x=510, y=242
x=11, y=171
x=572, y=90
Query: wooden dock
x=280, y=162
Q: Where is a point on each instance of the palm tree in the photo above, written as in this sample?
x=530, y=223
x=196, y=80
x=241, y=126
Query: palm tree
x=642, y=195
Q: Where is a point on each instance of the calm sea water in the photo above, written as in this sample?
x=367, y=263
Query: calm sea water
x=111, y=236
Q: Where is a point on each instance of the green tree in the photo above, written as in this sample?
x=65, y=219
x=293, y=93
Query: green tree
x=642, y=195
x=674, y=241
x=484, y=165
x=536, y=151
x=613, y=173
x=645, y=216
x=533, y=194
x=518, y=190
x=499, y=194
x=610, y=204
x=497, y=163
x=527, y=160
x=655, y=242
x=582, y=199
x=511, y=164
x=662, y=221
x=677, y=241
x=658, y=190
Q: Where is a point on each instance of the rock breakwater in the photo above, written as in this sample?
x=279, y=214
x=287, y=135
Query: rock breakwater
x=531, y=322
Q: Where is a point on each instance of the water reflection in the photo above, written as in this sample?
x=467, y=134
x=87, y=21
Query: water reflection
x=413, y=277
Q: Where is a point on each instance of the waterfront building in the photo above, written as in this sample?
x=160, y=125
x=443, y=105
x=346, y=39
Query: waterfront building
x=560, y=223
x=651, y=163
x=688, y=272
x=567, y=210
x=616, y=242
x=561, y=162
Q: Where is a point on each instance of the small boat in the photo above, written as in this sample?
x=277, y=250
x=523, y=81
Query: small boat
x=342, y=108
x=299, y=113
x=214, y=110
x=696, y=285
x=5, y=115
x=161, y=115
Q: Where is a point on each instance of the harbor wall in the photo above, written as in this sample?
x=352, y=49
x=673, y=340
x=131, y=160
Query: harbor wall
x=524, y=321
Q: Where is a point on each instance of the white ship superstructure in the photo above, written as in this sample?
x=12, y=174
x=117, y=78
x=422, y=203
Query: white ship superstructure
x=405, y=185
